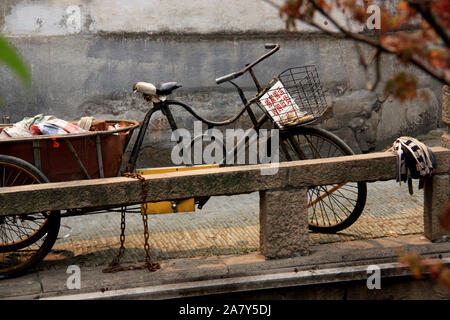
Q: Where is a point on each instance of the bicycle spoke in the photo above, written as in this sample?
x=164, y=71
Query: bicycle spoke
x=335, y=214
x=8, y=231
x=21, y=228
x=343, y=196
x=340, y=204
x=311, y=192
x=350, y=190
x=329, y=199
x=324, y=212
x=319, y=204
x=14, y=231
x=331, y=208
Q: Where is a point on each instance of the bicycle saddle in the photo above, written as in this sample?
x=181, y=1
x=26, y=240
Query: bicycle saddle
x=160, y=89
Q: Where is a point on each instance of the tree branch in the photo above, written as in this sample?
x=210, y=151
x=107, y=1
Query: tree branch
x=431, y=19
x=442, y=77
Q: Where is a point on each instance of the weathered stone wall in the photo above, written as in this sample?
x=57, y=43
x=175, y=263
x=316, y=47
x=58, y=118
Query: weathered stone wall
x=84, y=62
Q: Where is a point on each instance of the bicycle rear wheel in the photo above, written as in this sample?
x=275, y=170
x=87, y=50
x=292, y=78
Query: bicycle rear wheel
x=24, y=239
x=331, y=208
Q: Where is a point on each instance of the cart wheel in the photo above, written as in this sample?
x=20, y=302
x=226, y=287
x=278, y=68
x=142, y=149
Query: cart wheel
x=24, y=239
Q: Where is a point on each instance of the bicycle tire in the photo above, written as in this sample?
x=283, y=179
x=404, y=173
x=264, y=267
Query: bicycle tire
x=45, y=234
x=322, y=136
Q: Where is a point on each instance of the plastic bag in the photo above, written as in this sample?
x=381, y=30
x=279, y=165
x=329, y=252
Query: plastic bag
x=48, y=128
x=66, y=126
x=17, y=131
x=85, y=123
x=34, y=121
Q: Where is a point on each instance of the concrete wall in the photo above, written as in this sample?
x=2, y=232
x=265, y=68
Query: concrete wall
x=85, y=55
x=50, y=17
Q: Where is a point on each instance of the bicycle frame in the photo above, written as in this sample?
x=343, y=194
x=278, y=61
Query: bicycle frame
x=163, y=106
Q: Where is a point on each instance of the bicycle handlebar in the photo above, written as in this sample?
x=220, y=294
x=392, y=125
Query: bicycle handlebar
x=226, y=78
x=271, y=45
x=274, y=48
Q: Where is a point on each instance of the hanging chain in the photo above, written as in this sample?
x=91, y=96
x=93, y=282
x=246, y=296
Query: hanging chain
x=151, y=266
x=115, y=266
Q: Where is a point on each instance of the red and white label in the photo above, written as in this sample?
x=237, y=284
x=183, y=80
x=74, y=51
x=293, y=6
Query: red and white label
x=278, y=101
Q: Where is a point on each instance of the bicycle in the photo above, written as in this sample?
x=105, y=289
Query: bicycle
x=331, y=208
x=297, y=141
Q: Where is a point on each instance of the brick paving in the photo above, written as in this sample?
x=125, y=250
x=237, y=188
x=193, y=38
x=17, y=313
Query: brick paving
x=228, y=225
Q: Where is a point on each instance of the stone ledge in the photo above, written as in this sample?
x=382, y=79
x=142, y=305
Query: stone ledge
x=208, y=182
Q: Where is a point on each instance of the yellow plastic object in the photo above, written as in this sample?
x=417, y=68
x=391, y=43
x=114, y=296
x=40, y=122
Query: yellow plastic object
x=186, y=205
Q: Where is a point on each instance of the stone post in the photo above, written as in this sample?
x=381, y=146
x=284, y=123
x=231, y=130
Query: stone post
x=446, y=116
x=284, y=223
x=437, y=188
x=436, y=194
x=446, y=106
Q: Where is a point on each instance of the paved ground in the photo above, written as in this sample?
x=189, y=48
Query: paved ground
x=227, y=225
x=342, y=265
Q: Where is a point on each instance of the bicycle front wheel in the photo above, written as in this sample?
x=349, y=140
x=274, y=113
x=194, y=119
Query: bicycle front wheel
x=331, y=208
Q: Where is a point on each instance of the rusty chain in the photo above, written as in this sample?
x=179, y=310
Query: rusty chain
x=115, y=266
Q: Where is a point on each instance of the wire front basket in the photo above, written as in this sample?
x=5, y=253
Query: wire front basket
x=296, y=97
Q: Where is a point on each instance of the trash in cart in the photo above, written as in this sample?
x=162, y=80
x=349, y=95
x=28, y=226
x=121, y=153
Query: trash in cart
x=50, y=125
